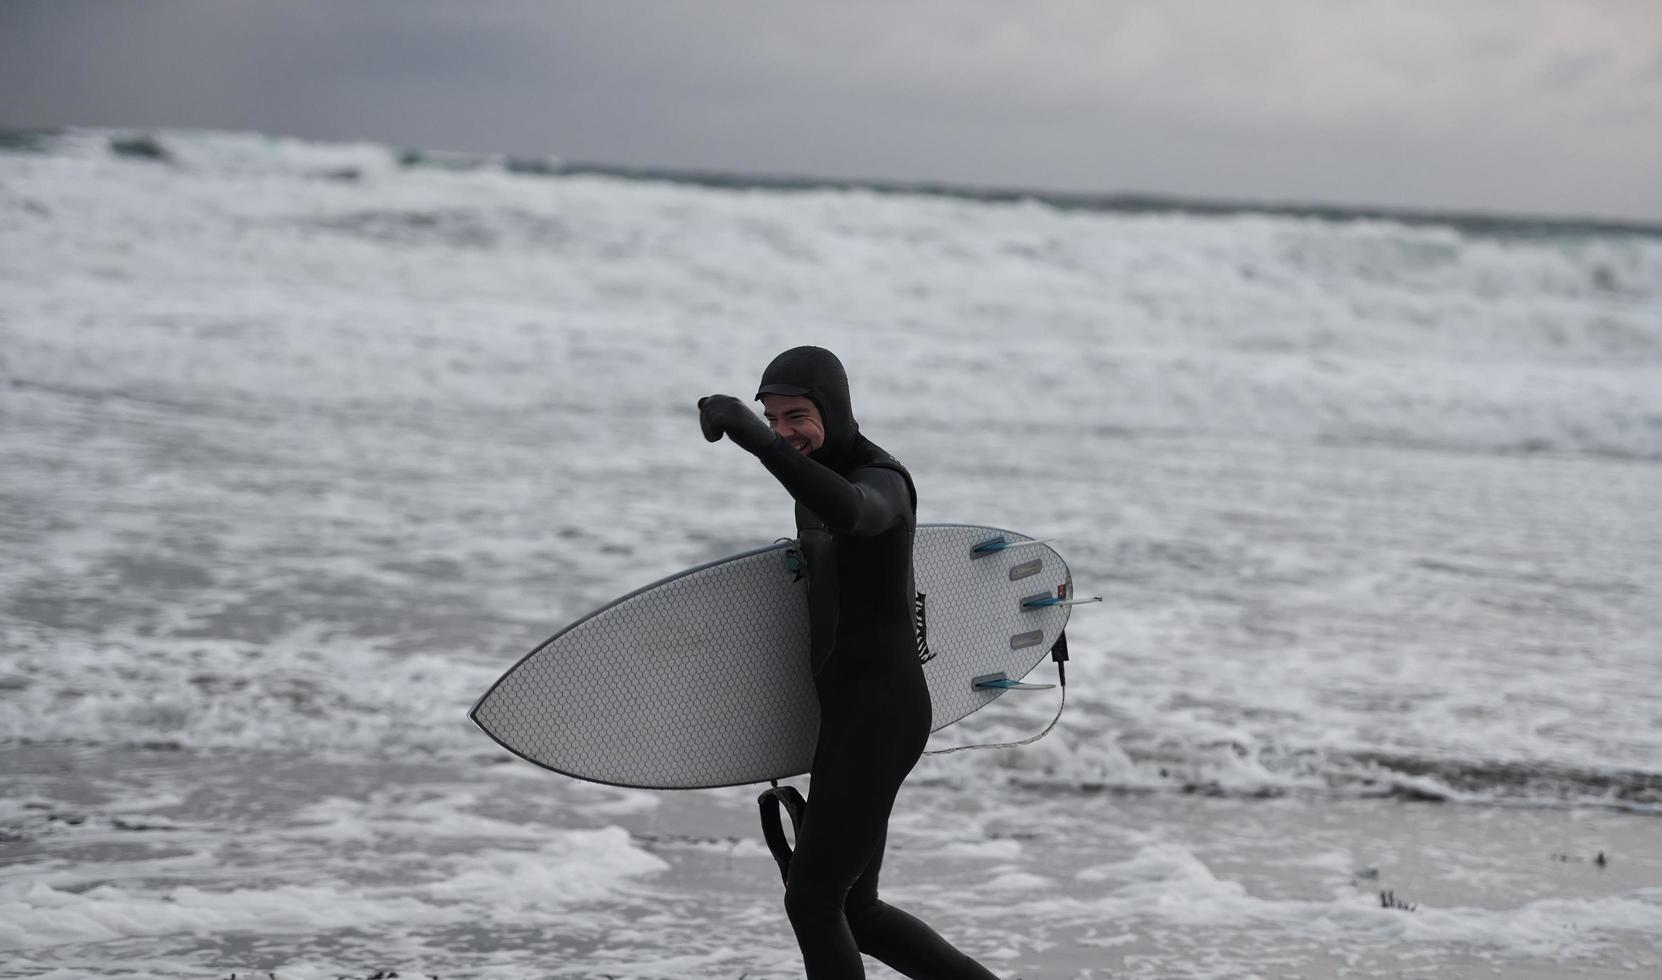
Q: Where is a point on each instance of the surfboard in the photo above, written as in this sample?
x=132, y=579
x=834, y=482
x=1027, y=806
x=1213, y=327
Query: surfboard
x=702, y=679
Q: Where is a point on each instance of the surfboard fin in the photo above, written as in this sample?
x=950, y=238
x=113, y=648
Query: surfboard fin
x=772, y=800
x=1045, y=601
x=1003, y=682
x=997, y=545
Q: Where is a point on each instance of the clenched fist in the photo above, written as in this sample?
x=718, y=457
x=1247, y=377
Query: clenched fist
x=720, y=415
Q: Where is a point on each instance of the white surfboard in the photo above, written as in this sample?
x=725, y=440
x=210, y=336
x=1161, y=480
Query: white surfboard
x=702, y=679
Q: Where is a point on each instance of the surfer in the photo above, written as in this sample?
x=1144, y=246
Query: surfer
x=856, y=515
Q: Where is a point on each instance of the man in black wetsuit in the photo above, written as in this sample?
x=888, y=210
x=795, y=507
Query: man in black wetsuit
x=856, y=514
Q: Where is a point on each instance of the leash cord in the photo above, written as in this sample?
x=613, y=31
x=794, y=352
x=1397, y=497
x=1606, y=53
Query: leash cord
x=1011, y=745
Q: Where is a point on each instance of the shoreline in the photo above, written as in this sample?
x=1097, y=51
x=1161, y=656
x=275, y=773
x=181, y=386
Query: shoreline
x=121, y=863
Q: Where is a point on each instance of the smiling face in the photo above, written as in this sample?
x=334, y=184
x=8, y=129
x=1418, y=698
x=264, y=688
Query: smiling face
x=797, y=419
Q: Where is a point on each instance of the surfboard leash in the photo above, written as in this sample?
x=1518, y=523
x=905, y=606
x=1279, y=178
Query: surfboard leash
x=777, y=798
x=772, y=800
x=1059, y=654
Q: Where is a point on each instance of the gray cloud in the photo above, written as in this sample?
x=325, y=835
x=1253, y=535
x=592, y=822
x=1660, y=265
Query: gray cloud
x=1527, y=105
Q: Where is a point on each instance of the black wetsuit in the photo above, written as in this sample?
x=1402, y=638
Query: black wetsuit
x=856, y=517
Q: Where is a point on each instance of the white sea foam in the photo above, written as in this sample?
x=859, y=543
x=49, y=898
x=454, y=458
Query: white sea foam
x=1262, y=325
x=36, y=914
x=303, y=446
x=305, y=461
x=576, y=869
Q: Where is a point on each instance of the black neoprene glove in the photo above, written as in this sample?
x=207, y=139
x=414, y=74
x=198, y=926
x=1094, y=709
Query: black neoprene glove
x=724, y=414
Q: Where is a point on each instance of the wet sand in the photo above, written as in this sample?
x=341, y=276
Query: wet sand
x=149, y=863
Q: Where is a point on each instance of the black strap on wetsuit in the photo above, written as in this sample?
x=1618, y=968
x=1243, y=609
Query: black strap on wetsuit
x=772, y=800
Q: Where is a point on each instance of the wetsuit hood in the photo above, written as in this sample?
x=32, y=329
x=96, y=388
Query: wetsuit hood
x=816, y=373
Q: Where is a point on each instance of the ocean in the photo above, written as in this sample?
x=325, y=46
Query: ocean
x=302, y=444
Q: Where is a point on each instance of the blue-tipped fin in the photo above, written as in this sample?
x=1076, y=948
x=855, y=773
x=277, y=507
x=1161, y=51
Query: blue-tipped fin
x=1041, y=602
x=996, y=545
x=1003, y=682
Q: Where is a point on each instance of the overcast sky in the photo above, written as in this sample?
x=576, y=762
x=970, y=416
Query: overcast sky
x=1550, y=106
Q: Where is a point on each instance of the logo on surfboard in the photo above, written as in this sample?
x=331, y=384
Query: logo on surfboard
x=921, y=620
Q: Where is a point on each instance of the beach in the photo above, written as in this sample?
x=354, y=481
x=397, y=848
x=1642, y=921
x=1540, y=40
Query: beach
x=304, y=868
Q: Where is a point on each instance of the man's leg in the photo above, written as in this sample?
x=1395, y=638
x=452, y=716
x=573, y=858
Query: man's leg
x=906, y=944
x=848, y=809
